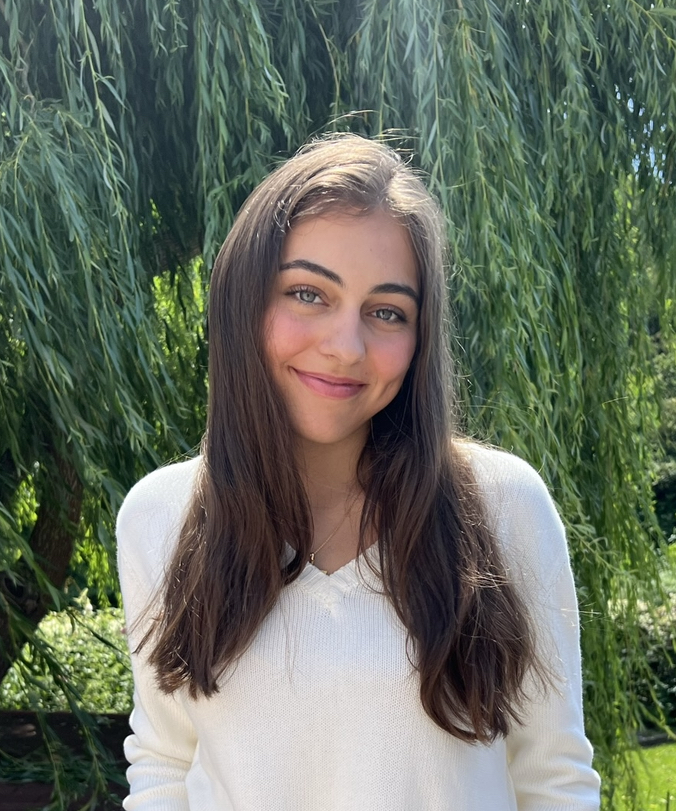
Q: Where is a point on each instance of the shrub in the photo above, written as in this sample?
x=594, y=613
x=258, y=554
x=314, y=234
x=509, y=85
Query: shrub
x=91, y=650
x=658, y=630
x=660, y=642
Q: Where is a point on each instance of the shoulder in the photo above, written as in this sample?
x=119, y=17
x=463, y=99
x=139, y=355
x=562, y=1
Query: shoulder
x=504, y=477
x=168, y=488
x=519, y=510
x=505, y=482
x=151, y=515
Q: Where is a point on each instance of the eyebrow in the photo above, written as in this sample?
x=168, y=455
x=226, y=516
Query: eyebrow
x=320, y=270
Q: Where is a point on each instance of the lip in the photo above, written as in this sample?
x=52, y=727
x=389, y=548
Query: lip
x=339, y=388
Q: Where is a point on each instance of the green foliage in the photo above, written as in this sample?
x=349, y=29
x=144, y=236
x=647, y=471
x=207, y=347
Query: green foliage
x=131, y=132
x=656, y=768
x=77, y=661
x=659, y=644
x=668, y=573
x=665, y=450
x=92, y=652
x=71, y=777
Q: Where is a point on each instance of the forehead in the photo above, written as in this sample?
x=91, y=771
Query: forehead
x=376, y=243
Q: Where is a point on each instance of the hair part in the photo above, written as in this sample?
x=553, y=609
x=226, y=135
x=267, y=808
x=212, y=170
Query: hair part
x=442, y=570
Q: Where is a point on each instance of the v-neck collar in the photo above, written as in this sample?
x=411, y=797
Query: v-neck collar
x=354, y=573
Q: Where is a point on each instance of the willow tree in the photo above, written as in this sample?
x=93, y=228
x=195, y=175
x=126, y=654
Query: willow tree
x=132, y=131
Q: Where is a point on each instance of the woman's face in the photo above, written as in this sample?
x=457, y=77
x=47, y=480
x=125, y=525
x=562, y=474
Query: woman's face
x=341, y=328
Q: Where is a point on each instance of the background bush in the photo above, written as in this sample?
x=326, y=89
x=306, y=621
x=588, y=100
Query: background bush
x=657, y=696
x=91, y=649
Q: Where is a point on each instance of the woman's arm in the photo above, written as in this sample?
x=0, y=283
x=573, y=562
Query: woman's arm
x=161, y=749
x=162, y=744
x=550, y=756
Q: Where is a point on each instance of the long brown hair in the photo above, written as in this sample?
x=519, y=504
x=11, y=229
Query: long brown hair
x=441, y=568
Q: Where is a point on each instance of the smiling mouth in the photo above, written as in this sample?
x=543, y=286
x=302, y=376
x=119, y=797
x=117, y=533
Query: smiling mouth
x=340, y=388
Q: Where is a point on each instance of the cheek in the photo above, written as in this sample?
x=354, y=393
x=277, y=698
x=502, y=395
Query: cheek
x=285, y=335
x=394, y=358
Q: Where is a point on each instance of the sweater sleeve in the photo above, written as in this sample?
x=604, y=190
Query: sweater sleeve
x=549, y=754
x=162, y=745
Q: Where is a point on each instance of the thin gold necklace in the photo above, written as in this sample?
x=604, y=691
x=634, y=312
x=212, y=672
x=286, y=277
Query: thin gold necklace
x=348, y=510
x=321, y=546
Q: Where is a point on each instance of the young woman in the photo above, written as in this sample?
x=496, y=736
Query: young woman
x=340, y=605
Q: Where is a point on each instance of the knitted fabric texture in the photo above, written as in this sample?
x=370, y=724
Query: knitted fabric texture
x=323, y=713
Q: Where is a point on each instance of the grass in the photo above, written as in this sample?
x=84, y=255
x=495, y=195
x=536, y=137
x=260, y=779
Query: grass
x=656, y=768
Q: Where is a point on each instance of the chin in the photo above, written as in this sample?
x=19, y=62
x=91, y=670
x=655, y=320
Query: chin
x=333, y=436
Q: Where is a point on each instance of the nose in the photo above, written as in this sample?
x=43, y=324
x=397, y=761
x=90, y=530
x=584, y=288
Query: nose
x=344, y=338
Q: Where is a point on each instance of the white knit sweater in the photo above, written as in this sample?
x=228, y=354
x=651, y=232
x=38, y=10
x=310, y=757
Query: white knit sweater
x=323, y=712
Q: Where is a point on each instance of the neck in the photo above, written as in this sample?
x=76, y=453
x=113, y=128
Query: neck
x=330, y=474
x=336, y=501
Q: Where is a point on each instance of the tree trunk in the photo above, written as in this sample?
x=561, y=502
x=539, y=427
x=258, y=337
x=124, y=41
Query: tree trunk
x=9, y=477
x=52, y=541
